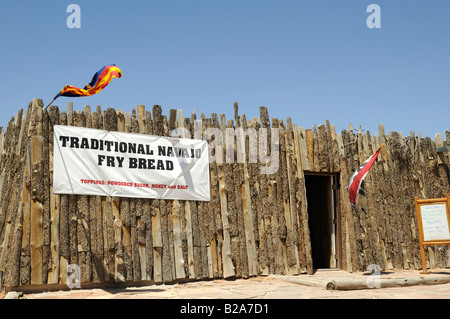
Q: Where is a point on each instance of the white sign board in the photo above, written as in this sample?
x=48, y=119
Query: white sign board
x=434, y=222
x=97, y=162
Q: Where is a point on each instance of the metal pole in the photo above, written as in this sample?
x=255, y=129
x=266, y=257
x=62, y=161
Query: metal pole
x=50, y=103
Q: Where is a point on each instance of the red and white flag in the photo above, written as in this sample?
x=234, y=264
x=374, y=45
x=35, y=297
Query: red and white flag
x=357, y=179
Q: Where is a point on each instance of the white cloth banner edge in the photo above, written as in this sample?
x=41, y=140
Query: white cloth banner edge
x=200, y=166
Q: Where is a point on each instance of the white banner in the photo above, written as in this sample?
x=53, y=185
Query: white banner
x=97, y=162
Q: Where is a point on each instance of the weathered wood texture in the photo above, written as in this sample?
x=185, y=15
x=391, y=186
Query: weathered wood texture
x=256, y=222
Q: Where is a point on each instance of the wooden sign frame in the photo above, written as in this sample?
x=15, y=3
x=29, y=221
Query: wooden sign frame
x=435, y=241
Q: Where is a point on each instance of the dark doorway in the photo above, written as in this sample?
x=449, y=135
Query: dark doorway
x=322, y=219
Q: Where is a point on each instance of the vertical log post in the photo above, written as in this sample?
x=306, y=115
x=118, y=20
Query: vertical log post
x=37, y=210
x=176, y=218
x=156, y=212
x=228, y=267
x=55, y=201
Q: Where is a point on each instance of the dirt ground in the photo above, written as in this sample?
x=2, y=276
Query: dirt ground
x=383, y=285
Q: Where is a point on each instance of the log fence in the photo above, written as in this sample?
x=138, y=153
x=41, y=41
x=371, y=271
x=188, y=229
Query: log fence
x=255, y=224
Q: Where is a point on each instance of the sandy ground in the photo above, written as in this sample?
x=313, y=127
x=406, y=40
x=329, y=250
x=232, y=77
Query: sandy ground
x=278, y=287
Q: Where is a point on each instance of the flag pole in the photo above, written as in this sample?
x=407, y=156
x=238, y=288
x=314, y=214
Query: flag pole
x=50, y=104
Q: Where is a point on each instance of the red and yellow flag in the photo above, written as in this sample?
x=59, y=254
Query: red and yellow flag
x=99, y=81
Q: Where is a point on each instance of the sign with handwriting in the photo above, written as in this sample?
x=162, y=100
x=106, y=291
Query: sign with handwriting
x=433, y=220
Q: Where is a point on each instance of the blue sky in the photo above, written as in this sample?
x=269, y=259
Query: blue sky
x=308, y=60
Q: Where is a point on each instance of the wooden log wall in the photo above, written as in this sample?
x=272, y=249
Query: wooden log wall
x=255, y=224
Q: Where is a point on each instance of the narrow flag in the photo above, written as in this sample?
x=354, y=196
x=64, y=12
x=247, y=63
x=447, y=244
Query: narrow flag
x=99, y=81
x=356, y=181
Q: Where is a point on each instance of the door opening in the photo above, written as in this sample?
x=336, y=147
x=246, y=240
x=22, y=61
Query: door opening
x=321, y=195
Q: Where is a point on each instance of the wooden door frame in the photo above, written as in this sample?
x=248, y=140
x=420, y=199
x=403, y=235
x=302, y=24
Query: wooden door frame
x=336, y=219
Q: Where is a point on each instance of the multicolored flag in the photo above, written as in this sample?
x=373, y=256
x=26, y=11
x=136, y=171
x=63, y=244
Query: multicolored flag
x=99, y=81
x=356, y=185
